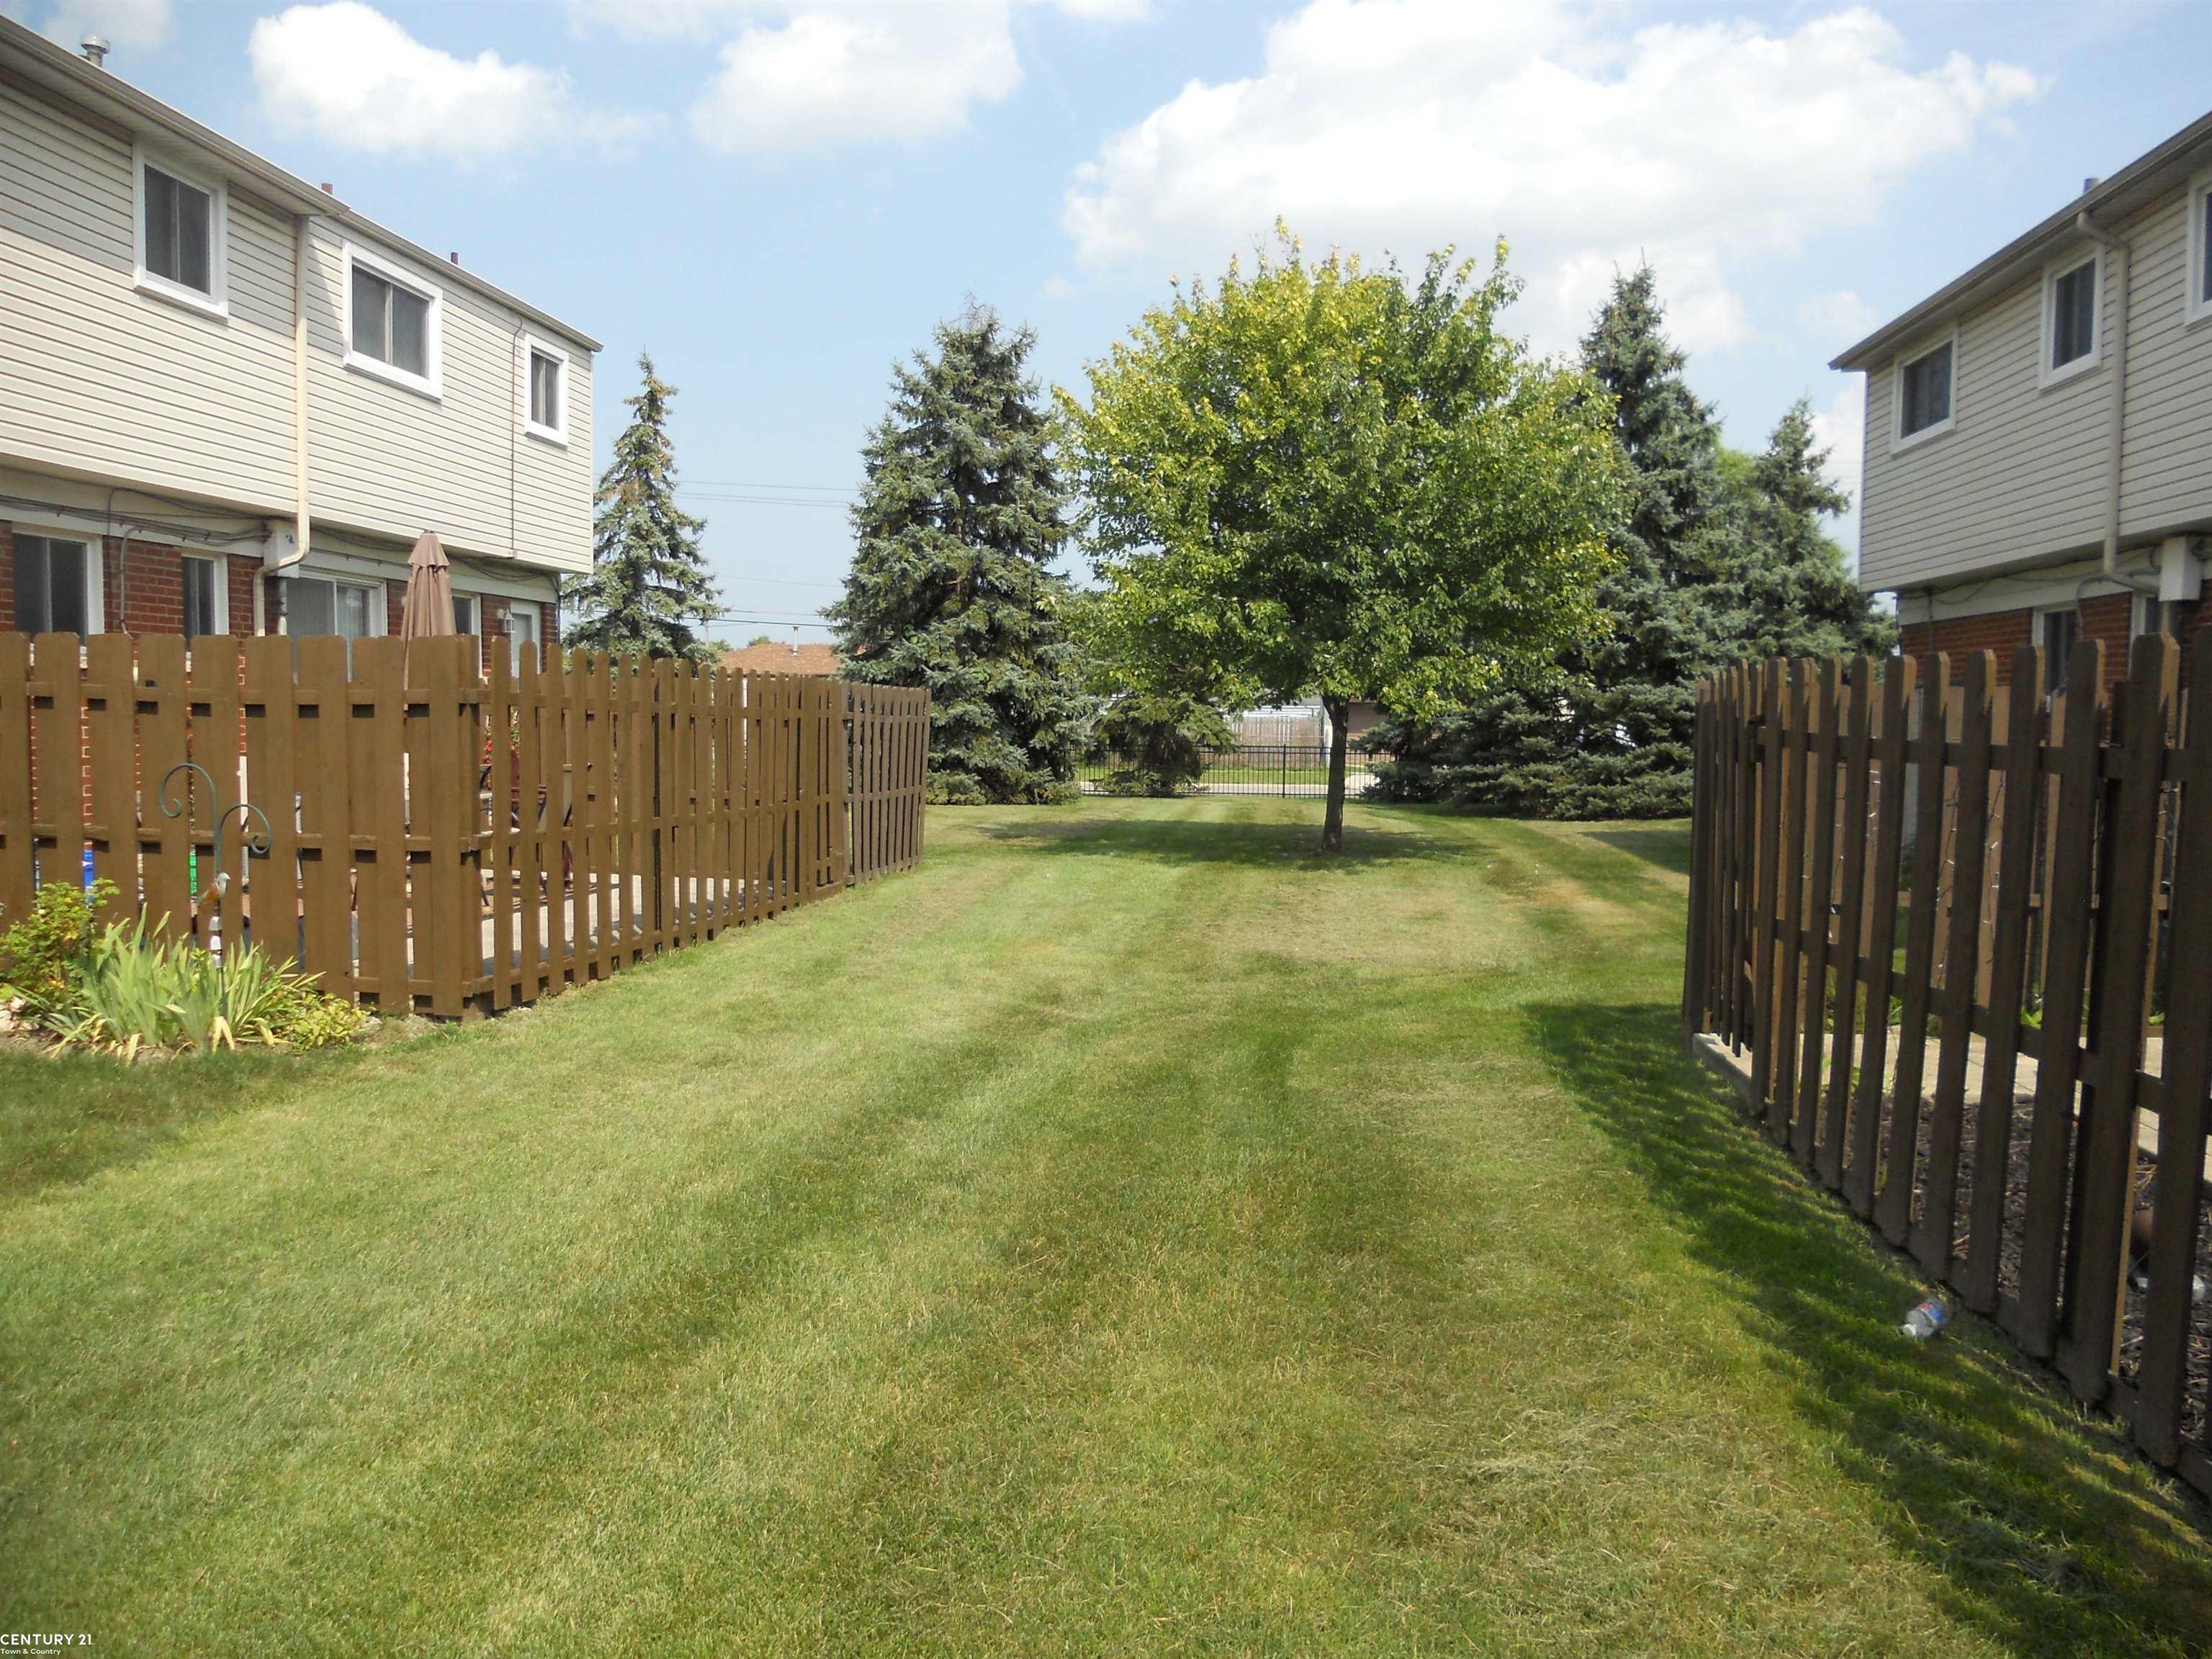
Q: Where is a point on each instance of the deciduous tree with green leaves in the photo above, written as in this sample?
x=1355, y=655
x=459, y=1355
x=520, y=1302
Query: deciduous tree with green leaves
x=1322, y=478
x=952, y=585
x=649, y=591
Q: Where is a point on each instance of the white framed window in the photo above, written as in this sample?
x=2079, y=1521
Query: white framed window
x=317, y=605
x=465, y=612
x=541, y=378
x=393, y=321
x=1924, y=392
x=2198, y=302
x=179, y=223
x=2072, y=311
x=207, y=596
x=523, y=633
x=57, y=585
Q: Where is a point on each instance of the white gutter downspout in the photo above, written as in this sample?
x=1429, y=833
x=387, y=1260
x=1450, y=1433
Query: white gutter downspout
x=2117, y=425
x=302, y=250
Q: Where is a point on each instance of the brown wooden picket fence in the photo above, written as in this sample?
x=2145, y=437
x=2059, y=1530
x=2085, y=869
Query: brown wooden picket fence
x=890, y=728
x=1972, y=1075
x=443, y=840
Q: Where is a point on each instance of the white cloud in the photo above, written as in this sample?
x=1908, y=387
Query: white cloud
x=662, y=20
x=1835, y=319
x=1412, y=124
x=831, y=75
x=1840, y=429
x=807, y=74
x=128, y=25
x=351, y=76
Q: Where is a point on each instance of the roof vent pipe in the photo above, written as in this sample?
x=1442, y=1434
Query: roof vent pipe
x=94, y=48
x=2090, y=184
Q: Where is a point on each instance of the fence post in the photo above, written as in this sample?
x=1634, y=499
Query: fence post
x=2023, y=794
x=2103, y=1175
x=2050, y=1131
x=2176, y=1204
x=15, y=883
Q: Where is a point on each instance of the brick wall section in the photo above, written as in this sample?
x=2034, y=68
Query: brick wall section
x=2000, y=631
x=148, y=596
x=2105, y=618
x=145, y=586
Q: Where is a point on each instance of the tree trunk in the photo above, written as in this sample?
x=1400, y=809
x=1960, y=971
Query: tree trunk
x=1332, y=824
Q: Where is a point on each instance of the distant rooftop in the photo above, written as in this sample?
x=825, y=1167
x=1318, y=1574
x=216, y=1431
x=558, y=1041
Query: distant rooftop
x=785, y=658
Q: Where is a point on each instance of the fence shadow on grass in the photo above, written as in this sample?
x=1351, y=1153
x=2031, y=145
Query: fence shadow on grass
x=2051, y=1538
x=67, y=1120
x=1667, y=845
x=1255, y=845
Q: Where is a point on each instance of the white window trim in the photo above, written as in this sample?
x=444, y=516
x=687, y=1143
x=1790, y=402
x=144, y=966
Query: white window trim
x=525, y=344
x=2195, y=307
x=2045, y=376
x=1897, y=438
x=476, y=614
x=95, y=569
x=216, y=304
x=430, y=386
x=377, y=618
x=222, y=586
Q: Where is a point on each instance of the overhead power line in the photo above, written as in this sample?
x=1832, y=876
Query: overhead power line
x=760, y=500
x=732, y=483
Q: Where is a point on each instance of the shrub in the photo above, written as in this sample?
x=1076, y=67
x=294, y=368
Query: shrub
x=1159, y=742
x=115, y=990
x=42, y=954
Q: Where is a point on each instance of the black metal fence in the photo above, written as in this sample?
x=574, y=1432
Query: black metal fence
x=1249, y=768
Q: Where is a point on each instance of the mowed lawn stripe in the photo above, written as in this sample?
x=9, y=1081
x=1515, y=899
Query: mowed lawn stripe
x=1127, y=1232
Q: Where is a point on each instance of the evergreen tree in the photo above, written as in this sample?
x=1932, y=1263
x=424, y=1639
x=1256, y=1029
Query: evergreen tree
x=952, y=585
x=1795, y=593
x=649, y=593
x=1609, y=734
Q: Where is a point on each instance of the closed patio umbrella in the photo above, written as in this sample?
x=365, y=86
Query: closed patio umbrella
x=429, y=612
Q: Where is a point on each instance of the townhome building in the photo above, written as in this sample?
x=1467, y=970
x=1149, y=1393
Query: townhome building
x=229, y=404
x=2038, y=432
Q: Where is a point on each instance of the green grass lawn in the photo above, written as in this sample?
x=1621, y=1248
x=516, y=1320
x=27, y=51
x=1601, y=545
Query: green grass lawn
x=1126, y=1232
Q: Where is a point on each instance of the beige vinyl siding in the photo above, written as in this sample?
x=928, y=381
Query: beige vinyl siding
x=100, y=379
x=2021, y=470
x=389, y=460
x=2021, y=478
x=2165, y=473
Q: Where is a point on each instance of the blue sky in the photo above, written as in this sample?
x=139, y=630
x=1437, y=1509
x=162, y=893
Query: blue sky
x=778, y=199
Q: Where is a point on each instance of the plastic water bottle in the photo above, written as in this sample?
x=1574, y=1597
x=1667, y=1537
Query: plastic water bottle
x=1925, y=1320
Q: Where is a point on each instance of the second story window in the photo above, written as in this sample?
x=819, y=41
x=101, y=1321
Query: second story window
x=179, y=234
x=1923, y=393
x=544, y=390
x=2070, y=318
x=391, y=323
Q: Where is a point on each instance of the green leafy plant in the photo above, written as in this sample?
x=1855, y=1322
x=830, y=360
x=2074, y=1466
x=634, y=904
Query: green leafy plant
x=42, y=953
x=115, y=989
